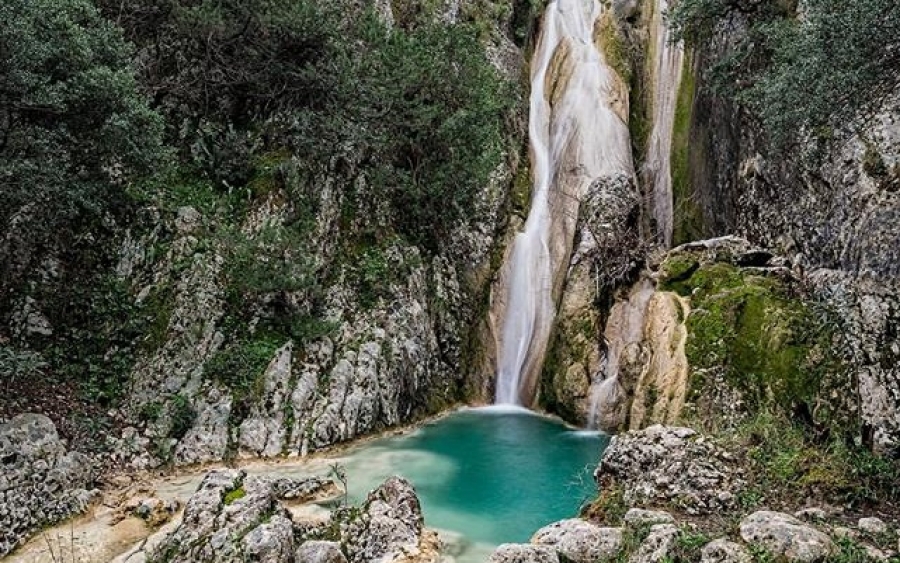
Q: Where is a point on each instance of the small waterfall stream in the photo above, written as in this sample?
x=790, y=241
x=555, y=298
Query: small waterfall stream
x=577, y=132
x=668, y=59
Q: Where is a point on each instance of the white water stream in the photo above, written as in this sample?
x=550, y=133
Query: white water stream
x=668, y=58
x=578, y=133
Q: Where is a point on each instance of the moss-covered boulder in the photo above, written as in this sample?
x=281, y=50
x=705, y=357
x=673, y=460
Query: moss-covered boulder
x=751, y=327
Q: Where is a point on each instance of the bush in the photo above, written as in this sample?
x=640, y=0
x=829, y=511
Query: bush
x=73, y=128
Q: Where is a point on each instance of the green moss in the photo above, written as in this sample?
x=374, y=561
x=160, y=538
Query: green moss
x=688, y=216
x=234, y=495
x=520, y=195
x=675, y=271
x=157, y=309
x=767, y=341
x=614, y=46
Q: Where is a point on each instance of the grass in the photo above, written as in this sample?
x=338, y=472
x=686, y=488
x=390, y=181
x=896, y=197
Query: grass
x=234, y=495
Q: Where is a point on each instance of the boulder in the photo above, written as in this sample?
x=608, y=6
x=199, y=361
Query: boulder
x=668, y=464
x=319, y=551
x=785, y=536
x=724, y=551
x=657, y=546
x=41, y=483
x=524, y=553
x=579, y=541
x=390, y=527
x=872, y=525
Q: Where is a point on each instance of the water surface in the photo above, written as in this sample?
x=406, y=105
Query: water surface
x=491, y=475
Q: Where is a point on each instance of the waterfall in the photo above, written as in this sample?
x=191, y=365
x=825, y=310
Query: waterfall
x=577, y=133
x=667, y=64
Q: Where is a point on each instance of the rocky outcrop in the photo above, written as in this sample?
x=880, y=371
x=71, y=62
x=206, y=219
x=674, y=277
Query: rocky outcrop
x=579, y=541
x=390, y=528
x=40, y=482
x=832, y=208
x=661, y=465
x=234, y=517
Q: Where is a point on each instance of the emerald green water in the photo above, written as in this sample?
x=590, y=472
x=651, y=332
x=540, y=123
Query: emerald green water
x=489, y=475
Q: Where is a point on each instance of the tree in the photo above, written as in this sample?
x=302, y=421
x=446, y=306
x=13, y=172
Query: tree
x=802, y=70
x=74, y=131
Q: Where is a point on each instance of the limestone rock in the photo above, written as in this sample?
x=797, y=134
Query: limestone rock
x=270, y=542
x=229, y=514
x=872, y=525
x=657, y=546
x=662, y=464
x=207, y=439
x=319, y=551
x=783, y=535
x=263, y=433
x=637, y=517
x=579, y=541
x=724, y=551
x=523, y=553
x=40, y=482
x=390, y=527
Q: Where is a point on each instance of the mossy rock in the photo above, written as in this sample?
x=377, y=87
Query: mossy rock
x=769, y=342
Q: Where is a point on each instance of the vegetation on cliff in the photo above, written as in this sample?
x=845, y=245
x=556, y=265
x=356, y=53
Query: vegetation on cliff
x=804, y=67
x=109, y=107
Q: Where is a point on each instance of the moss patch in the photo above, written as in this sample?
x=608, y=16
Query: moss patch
x=688, y=218
x=612, y=43
x=234, y=495
x=770, y=343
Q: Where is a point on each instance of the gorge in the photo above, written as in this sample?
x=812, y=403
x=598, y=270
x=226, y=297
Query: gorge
x=263, y=264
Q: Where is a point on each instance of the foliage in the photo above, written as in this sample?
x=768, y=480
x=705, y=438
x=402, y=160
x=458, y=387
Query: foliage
x=73, y=127
x=787, y=459
x=419, y=113
x=96, y=327
x=807, y=71
x=426, y=109
x=183, y=416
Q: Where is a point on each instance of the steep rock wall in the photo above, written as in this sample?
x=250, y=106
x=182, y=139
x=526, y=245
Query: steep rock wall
x=832, y=208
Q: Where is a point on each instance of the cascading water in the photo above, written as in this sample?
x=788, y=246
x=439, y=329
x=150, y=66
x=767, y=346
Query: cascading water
x=668, y=58
x=578, y=133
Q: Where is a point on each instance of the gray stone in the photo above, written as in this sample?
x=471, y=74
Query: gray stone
x=523, y=553
x=657, y=546
x=785, y=536
x=218, y=528
x=872, y=525
x=270, y=542
x=666, y=464
x=390, y=527
x=40, y=482
x=318, y=551
x=724, y=551
x=636, y=517
x=579, y=541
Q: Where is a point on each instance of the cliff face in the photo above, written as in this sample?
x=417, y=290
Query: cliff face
x=286, y=312
x=832, y=208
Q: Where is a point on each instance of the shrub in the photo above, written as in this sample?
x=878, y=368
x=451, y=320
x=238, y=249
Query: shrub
x=801, y=72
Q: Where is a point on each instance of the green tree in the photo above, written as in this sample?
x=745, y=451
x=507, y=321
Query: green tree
x=802, y=70
x=74, y=131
